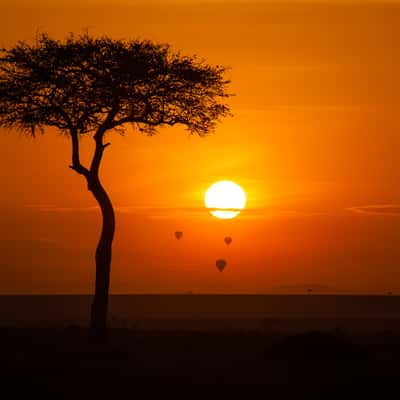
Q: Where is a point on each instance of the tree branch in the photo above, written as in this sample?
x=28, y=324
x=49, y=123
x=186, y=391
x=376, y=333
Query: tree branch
x=98, y=137
x=76, y=164
x=98, y=154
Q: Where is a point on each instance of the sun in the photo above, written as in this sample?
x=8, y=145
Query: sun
x=225, y=199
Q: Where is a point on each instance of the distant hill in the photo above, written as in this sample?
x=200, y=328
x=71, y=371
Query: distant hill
x=309, y=288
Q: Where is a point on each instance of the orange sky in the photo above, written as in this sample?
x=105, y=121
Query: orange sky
x=313, y=141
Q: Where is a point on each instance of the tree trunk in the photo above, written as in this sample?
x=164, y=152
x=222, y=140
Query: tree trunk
x=98, y=318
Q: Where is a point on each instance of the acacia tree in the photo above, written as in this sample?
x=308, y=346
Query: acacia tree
x=89, y=86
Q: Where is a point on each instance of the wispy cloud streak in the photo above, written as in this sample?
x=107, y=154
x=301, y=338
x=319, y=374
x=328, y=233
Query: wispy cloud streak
x=179, y=212
x=377, y=209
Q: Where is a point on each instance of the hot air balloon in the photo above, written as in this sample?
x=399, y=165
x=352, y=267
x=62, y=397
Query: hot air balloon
x=227, y=240
x=221, y=264
x=178, y=234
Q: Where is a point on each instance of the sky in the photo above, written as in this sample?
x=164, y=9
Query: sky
x=313, y=141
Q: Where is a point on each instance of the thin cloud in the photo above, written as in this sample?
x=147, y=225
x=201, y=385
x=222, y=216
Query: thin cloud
x=178, y=212
x=174, y=212
x=377, y=209
x=248, y=213
x=54, y=208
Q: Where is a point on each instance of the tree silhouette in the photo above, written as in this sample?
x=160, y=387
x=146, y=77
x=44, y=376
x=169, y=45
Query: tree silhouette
x=89, y=86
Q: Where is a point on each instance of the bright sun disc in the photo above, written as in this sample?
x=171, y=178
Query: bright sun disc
x=225, y=199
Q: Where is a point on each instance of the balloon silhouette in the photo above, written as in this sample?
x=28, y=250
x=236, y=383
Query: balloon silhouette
x=228, y=240
x=178, y=234
x=221, y=264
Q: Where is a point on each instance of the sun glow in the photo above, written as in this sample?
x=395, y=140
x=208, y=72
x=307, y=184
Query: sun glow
x=225, y=199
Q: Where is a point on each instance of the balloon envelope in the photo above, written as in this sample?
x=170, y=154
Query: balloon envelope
x=178, y=234
x=228, y=240
x=221, y=264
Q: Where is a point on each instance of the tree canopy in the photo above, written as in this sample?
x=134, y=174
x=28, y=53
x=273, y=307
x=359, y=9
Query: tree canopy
x=84, y=83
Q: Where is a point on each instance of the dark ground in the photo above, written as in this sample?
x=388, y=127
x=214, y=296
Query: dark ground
x=63, y=363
